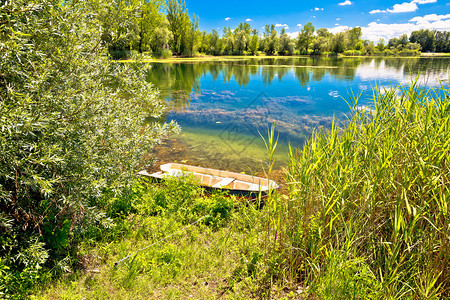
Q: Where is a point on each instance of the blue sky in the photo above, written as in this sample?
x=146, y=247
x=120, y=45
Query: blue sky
x=377, y=18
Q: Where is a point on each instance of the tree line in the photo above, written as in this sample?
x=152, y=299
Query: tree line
x=165, y=28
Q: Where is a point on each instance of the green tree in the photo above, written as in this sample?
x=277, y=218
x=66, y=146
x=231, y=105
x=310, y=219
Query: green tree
x=119, y=24
x=319, y=45
x=229, y=40
x=242, y=36
x=286, y=46
x=323, y=32
x=442, y=41
x=380, y=45
x=254, y=42
x=72, y=129
x=270, y=39
x=305, y=37
x=152, y=19
x=215, y=44
x=369, y=48
x=412, y=46
x=425, y=38
x=161, y=37
x=403, y=40
x=184, y=32
x=393, y=43
x=338, y=42
x=353, y=37
x=241, y=39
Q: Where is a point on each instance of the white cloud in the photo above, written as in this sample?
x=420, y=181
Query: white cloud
x=317, y=8
x=376, y=11
x=227, y=19
x=338, y=29
x=424, y=1
x=337, y=24
x=346, y=2
x=375, y=31
x=293, y=35
x=248, y=20
x=338, y=19
x=314, y=16
x=430, y=18
x=282, y=25
x=404, y=7
x=299, y=25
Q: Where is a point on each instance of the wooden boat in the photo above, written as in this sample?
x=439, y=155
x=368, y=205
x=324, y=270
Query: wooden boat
x=211, y=179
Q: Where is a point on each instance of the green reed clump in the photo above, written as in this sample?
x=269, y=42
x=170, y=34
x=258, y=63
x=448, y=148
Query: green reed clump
x=368, y=207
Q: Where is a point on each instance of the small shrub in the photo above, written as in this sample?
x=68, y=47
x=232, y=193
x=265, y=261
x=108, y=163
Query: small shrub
x=166, y=53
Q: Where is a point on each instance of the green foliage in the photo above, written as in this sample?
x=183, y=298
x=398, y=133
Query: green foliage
x=154, y=25
x=425, y=37
x=305, y=37
x=271, y=40
x=183, y=198
x=380, y=45
x=338, y=43
x=369, y=203
x=342, y=277
x=254, y=42
x=286, y=46
x=71, y=126
x=212, y=257
x=186, y=35
x=166, y=54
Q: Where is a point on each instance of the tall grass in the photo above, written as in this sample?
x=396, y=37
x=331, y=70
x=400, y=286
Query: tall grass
x=367, y=215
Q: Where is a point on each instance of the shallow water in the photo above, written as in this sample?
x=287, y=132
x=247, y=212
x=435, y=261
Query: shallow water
x=224, y=107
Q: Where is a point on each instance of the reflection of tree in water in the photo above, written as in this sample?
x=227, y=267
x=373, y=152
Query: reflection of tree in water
x=178, y=81
x=424, y=66
x=241, y=73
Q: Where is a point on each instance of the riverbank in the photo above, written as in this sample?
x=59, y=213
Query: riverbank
x=230, y=58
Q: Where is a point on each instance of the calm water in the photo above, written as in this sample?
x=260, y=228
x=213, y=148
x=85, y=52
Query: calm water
x=223, y=107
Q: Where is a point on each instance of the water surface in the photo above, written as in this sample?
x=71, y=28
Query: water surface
x=224, y=107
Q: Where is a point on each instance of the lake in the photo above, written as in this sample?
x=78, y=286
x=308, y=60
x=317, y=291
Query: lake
x=224, y=107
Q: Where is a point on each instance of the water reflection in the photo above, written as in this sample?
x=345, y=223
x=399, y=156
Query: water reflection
x=216, y=102
x=177, y=81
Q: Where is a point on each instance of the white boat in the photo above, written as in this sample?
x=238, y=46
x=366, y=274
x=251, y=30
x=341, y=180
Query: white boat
x=235, y=183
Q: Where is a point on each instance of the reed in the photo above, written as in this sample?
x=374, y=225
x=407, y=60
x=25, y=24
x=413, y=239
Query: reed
x=367, y=215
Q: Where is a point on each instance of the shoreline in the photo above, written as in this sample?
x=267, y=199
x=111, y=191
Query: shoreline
x=225, y=58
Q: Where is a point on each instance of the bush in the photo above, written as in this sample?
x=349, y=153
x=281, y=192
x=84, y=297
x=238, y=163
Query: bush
x=406, y=52
x=353, y=53
x=71, y=127
x=166, y=54
x=184, y=199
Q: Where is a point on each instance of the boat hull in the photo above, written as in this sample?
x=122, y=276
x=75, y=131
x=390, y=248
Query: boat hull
x=213, y=180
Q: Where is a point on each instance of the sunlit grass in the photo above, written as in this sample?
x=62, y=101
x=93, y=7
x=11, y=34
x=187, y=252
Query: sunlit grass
x=217, y=256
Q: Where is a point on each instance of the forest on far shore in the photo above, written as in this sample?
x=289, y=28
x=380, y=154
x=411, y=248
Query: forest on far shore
x=163, y=29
